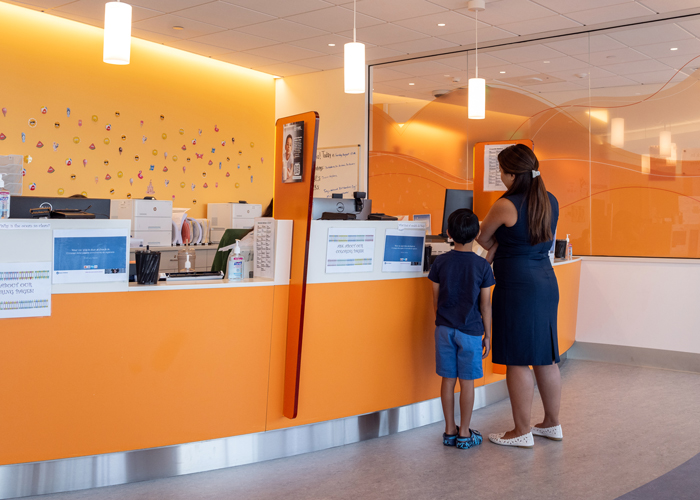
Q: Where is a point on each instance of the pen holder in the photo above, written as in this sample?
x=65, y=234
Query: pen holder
x=147, y=266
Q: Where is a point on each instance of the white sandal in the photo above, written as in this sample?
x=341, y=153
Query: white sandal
x=524, y=441
x=553, y=433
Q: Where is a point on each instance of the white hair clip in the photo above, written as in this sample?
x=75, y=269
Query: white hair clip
x=535, y=173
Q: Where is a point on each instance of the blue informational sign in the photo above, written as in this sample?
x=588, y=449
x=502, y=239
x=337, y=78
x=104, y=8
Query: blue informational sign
x=403, y=252
x=89, y=256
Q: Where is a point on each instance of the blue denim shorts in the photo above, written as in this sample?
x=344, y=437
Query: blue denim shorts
x=457, y=355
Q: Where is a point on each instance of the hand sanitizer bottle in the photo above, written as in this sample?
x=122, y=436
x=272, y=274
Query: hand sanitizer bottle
x=4, y=200
x=569, y=249
x=235, y=264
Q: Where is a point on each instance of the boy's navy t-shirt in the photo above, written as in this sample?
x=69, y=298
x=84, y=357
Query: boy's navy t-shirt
x=461, y=276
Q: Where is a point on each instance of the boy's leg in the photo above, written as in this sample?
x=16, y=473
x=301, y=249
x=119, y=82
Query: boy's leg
x=466, y=405
x=447, y=396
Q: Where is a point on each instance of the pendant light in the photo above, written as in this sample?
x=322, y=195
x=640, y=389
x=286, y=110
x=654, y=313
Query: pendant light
x=354, y=61
x=665, y=143
x=476, y=107
x=617, y=132
x=117, y=38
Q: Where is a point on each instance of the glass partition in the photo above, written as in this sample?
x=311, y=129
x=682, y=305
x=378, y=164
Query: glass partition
x=613, y=116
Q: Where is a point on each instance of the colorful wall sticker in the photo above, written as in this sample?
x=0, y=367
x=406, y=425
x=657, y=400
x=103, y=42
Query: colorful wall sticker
x=131, y=181
x=213, y=150
x=216, y=129
x=194, y=142
x=167, y=182
x=189, y=159
x=24, y=172
x=60, y=191
x=128, y=196
x=164, y=135
x=165, y=169
x=144, y=139
x=150, y=189
x=120, y=174
x=76, y=140
x=184, y=169
x=80, y=123
x=210, y=162
x=94, y=118
x=108, y=177
x=228, y=159
x=249, y=167
x=200, y=131
x=223, y=143
x=142, y=123
x=205, y=185
x=68, y=112
x=106, y=162
x=44, y=110
x=28, y=159
x=121, y=150
x=228, y=174
x=140, y=175
x=51, y=170
x=3, y=137
x=182, y=184
x=55, y=146
x=252, y=144
x=137, y=157
x=251, y=178
x=84, y=193
x=240, y=152
x=174, y=157
x=152, y=168
x=57, y=125
x=111, y=191
x=165, y=155
x=73, y=177
x=193, y=186
x=219, y=165
x=92, y=146
x=239, y=166
x=262, y=160
x=39, y=144
x=32, y=186
x=108, y=127
x=216, y=185
x=237, y=185
x=233, y=140
x=204, y=174
x=199, y=157
x=154, y=152
x=84, y=163
x=182, y=131
x=124, y=137
x=69, y=162
x=162, y=117
x=97, y=179
x=4, y=112
x=106, y=141
x=32, y=122
x=194, y=202
x=117, y=114
x=24, y=137
x=184, y=147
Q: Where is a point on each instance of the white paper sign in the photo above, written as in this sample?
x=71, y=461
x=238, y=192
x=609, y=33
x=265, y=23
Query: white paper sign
x=90, y=255
x=4, y=225
x=264, y=248
x=492, y=175
x=25, y=289
x=412, y=225
x=350, y=250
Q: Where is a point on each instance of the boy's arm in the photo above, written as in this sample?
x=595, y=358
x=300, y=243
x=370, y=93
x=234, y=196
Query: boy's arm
x=485, y=307
x=436, y=293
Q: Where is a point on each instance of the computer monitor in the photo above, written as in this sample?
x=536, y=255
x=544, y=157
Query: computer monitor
x=455, y=199
x=340, y=205
x=20, y=205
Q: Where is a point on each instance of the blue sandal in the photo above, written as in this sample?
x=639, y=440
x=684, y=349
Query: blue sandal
x=450, y=439
x=464, y=443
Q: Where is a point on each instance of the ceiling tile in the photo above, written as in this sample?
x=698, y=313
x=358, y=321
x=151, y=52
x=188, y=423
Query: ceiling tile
x=537, y=52
x=447, y=80
x=284, y=52
x=385, y=34
x=167, y=5
x=453, y=21
x=152, y=36
x=693, y=26
x=658, y=77
x=455, y=4
x=322, y=63
x=558, y=64
x=486, y=61
x=42, y=4
x=164, y=24
x=246, y=60
x=422, y=45
x=628, y=10
x=282, y=30
x=320, y=43
x=566, y=6
x=656, y=32
x=418, y=83
x=382, y=74
x=285, y=69
x=485, y=35
x=197, y=48
x=510, y=11
x=95, y=9
x=422, y=68
x=689, y=48
x=611, y=81
x=391, y=10
x=99, y=23
x=680, y=62
x=235, y=41
x=540, y=25
x=377, y=53
x=282, y=8
x=584, y=44
x=616, y=56
x=645, y=66
x=582, y=75
x=663, y=6
x=224, y=14
x=511, y=71
x=333, y=19
x=557, y=87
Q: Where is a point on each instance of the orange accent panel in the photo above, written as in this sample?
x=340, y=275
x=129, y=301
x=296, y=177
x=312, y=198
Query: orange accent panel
x=483, y=200
x=294, y=202
x=111, y=372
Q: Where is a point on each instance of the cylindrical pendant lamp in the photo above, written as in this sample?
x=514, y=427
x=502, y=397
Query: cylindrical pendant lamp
x=665, y=143
x=117, y=38
x=476, y=107
x=355, y=68
x=617, y=132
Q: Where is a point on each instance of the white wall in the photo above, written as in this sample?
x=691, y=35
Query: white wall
x=342, y=116
x=650, y=303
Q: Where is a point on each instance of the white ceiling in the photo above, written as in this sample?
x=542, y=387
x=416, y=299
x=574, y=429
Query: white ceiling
x=288, y=37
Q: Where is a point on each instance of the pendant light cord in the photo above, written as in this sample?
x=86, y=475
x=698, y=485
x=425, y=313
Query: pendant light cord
x=354, y=21
x=476, y=40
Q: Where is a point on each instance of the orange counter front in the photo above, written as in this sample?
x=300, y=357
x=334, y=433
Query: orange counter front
x=130, y=370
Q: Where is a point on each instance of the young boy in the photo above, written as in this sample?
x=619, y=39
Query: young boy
x=462, y=300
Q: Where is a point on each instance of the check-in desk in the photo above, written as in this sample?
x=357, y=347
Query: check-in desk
x=192, y=373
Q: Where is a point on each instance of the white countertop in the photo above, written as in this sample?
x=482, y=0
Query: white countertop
x=200, y=284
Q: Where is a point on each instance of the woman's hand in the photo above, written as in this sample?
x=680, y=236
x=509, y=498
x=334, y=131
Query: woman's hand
x=492, y=253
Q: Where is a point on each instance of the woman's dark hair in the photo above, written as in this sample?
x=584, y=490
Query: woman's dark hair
x=463, y=226
x=520, y=161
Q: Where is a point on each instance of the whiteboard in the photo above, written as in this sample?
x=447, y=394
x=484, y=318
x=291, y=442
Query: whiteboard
x=337, y=171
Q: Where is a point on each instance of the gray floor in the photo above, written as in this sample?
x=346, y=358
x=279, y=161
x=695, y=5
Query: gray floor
x=623, y=426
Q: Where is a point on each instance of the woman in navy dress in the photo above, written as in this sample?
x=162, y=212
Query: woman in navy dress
x=520, y=227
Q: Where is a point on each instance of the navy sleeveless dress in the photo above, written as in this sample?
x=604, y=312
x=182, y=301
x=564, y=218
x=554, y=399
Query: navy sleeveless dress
x=526, y=296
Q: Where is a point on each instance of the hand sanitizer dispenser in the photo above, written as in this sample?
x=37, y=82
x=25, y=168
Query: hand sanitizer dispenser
x=4, y=200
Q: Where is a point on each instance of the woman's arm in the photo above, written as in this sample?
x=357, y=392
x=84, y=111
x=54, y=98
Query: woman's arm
x=436, y=294
x=502, y=212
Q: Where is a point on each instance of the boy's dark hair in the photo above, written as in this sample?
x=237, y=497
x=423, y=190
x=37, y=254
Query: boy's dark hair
x=463, y=226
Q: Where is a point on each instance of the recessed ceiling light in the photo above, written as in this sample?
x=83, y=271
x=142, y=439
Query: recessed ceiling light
x=178, y=28
x=447, y=76
x=502, y=72
x=546, y=62
x=331, y=45
x=276, y=77
x=441, y=24
x=411, y=83
x=674, y=48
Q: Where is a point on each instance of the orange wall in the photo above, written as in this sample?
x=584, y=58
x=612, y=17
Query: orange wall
x=57, y=63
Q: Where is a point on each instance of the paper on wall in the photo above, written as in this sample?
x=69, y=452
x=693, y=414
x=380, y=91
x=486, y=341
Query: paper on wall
x=492, y=174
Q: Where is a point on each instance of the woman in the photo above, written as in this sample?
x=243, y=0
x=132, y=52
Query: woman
x=521, y=226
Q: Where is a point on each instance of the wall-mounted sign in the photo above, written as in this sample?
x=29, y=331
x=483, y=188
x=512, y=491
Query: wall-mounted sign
x=90, y=255
x=25, y=289
x=293, y=152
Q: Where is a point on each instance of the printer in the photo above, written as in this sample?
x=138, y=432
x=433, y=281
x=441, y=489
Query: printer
x=223, y=216
x=151, y=220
